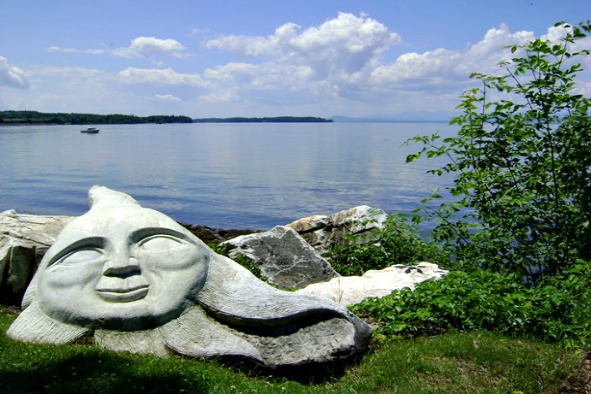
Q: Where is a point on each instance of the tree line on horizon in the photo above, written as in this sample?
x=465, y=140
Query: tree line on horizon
x=34, y=117
x=276, y=119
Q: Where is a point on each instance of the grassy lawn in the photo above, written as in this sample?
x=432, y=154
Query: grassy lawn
x=475, y=362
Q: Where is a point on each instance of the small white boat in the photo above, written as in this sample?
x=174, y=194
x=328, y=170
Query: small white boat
x=90, y=130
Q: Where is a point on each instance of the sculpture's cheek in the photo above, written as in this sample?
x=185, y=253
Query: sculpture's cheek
x=169, y=288
x=67, y=294
x=78, y=276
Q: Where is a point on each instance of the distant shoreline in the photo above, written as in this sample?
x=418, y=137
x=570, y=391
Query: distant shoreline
x=276, y=119
x=9, y=118
x=15, y=118
x=32, y=118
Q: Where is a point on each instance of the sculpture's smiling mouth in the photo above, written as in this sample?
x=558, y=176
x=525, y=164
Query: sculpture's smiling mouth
x=116, y=289
x=123, y=295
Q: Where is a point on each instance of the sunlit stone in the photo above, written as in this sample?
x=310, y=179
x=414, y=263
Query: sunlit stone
x=137, y=281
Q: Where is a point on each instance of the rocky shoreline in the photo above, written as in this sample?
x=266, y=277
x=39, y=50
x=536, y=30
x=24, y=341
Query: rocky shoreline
x=211, y=235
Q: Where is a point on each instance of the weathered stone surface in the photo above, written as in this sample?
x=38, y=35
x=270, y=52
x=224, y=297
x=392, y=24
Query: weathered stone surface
x=24, y=239
x=324, y=232
x=349, y=290
x=137, y=281
x=284, y=257
x=309, y=224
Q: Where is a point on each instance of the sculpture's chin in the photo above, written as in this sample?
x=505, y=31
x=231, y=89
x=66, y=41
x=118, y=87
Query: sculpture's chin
x=114, y=295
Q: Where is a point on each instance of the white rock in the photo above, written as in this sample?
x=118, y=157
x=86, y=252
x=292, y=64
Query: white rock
x=350, y=290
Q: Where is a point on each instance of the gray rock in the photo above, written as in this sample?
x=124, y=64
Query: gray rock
x=349, y=290
x=24, y=239
x=284, y=257
x=134, y=280
x=324, y=232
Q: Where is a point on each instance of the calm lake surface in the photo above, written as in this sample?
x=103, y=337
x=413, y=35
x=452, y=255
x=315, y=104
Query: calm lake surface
x=219, y=175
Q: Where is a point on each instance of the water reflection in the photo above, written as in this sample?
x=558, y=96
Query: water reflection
x=221, y=175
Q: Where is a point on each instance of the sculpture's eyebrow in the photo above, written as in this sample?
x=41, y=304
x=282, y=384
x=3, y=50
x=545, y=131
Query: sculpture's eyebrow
x=84, y=243
x=145, y=232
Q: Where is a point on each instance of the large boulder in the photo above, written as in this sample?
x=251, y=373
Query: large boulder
x=324, y=232
x=350, y=290
x=284, y=257
x=24, y=239
x=131, y=279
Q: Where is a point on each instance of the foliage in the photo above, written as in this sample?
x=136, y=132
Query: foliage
x=398, y=242
x=451, y=363
x=555, y=311
x=522, y=189
x=34, y=117
x=248, y=263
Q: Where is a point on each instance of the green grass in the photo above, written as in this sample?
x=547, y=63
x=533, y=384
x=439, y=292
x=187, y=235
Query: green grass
x=476, y=362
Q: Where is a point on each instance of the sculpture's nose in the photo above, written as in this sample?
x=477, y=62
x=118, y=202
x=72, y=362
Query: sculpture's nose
x=121, y=266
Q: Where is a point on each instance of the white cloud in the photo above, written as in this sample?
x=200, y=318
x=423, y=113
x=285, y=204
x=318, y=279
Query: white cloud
x=68, y=89
x=197, y=31
x=256, y=45
x=219, y=96
x=341, y=58
x=296, y=65
x=338, y=64
x=494, y=42
x=138, y=48
x=267, y=82
x=340, y=46
x=148, y=46
x=160, y=76
x=442, y=67
x=64, y=50
x=426, y=68
x=12, y=76
x=168, y=97
x=557, y=33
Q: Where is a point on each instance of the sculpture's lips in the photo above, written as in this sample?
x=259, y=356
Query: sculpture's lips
x=123, y=295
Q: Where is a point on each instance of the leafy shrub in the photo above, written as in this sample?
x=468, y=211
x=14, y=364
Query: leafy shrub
x=398, y=242
x=555, y=311
x=522, y=188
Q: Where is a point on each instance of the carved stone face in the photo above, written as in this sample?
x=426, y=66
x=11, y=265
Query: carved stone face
x=123, y=267
x=134, y=280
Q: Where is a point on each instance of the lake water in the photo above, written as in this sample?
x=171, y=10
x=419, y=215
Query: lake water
x=219, y=175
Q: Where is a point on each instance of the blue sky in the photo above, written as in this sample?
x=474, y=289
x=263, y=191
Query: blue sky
x=223, y=58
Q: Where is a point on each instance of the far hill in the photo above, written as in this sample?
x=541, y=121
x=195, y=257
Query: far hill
x=278, y=119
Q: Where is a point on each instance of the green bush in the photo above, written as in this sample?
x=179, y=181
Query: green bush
x=556, y=311
x=521, y=198
x=398, y=242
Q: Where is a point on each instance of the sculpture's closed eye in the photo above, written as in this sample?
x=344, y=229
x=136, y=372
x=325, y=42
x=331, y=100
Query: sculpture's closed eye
x=160, y=242
x=81, y=256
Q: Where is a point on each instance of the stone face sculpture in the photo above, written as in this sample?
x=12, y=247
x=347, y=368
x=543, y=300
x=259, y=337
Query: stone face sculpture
x=137, y=281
